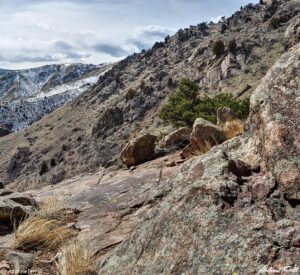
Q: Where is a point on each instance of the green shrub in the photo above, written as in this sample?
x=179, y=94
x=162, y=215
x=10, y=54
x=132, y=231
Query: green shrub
x=218, y=47
x=180, y=110
x=184, y=105
x=208, y=106
x=274, y=23
x=53, y=162
x=130, y=94
x=232, y=47
x=44, y=168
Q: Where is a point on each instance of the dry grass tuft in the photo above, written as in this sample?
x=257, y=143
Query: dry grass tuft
x=76, y=259
x=37, y=232
x=50, y=208
x=46, y=228
x=233, y=128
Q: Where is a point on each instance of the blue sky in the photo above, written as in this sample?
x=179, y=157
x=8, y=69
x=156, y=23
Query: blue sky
x=38, y=32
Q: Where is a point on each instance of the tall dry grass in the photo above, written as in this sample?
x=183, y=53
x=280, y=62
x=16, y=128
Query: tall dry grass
x=233, y=128
x=44, y=228
x=37, y=232
x=76, y=258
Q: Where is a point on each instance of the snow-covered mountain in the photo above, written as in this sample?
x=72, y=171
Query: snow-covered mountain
x=28, y=95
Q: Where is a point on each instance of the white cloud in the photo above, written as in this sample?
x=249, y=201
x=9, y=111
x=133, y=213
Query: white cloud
x=38, y=32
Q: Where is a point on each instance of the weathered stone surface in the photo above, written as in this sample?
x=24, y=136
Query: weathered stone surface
x=225, y=114
x=274, y=122
x=224, y=215
x=112, y=204
x=199, y=228
x=139, y=150
x=205, y=135
x=178, y=138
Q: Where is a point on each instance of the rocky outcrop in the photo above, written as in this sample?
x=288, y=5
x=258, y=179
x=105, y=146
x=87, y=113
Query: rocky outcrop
x=235, y=209
x=230, y=66
x=109, y=119
x=109, y=205
x=139, y=150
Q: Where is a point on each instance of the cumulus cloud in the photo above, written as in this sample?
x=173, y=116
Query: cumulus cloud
x=145, y=37
x=62, y=45
x=38, y=32
x=110, y=49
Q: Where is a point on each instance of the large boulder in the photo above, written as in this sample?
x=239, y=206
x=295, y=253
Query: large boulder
x=139, y=150
x=205, y=135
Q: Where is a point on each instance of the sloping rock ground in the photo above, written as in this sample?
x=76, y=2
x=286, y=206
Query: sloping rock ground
x=235, y=209
x=110, y=205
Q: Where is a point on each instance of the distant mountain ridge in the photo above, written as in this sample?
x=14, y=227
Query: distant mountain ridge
x=28, y=95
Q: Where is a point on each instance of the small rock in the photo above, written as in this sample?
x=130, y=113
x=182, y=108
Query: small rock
x=171, y=163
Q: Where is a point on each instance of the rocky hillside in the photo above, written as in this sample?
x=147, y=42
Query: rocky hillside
x=235, y=209
x=88, y=133
x=28, y=95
